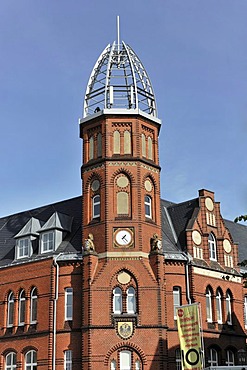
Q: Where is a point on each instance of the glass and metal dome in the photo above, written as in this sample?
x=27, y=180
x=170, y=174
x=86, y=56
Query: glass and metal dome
x=118, y=82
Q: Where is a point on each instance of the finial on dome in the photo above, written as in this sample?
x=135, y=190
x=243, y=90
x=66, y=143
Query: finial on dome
x=119, y=82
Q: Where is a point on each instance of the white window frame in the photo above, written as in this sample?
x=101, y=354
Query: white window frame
x=228, y=308
x=96, y=205
x=125, y=360
x=21, y=308
x=209, y=311
x=176, y=299
x=12, y=364
x=218, y=298
x=10, y=310
x=33, y=305
x=68, y=304
x=213, y=357
x=230, y=358
x=212, y=245
x=68, y=360
x=148, y=206
x=32, y=364
x=23, y=248
x=117, y=301
x=131, y=300
x=49, y=244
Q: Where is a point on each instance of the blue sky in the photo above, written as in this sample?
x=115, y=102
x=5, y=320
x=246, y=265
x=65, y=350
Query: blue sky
x=196, y=56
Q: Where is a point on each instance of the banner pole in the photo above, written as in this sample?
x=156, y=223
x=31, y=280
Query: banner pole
x=202, y=339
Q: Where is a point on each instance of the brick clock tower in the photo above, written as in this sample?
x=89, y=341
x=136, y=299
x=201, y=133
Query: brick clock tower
x=123, y=316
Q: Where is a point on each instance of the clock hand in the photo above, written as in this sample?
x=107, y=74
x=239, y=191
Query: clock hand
x=124, y=238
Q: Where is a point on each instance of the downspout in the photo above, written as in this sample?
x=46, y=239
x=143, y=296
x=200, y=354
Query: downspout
x=55, y=311
x=187, y=278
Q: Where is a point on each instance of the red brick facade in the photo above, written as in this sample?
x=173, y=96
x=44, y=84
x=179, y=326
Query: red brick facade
x=123, y=285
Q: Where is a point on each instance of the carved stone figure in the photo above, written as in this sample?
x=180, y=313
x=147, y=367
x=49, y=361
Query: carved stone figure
x=89, y=244
x=156, y=244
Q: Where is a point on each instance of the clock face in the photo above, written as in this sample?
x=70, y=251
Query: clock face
x=123, y=237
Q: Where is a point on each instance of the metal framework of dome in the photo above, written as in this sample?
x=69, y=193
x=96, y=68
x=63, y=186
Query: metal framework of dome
x=119, y=81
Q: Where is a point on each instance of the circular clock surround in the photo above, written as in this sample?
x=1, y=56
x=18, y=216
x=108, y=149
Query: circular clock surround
x=148, y=185
x=123, y=277
x=196, y=237
x=95, y=185
x=123, y=237
x=227, y=246
x=209, y=204
x=122, y=182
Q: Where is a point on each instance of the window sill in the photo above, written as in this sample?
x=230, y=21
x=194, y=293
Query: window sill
x=94, y=221
x=123, y=217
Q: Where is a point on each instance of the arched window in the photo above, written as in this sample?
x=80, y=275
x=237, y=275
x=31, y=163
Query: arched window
x=212, y=247
x=33, y=306
x=10, y=361
x=150, y=148
x=209, y=305
x=212, y=357
x=178, y=359
x=117, y=300
x=125, y=360
x=230, y=361
x=122, y=203
x=131, y=300
x=127, y=142
x=229, y=308
x=99, y=145
x=91, y=147
x=219, y=306
x=22, y=308
x=10, y=310
x=123, y=195
x=176, y=300
x=96, y=206
x=148, y=206
x=144, y=148
x=31, y=360
x=116, y=142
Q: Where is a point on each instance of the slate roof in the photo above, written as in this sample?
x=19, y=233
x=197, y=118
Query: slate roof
x=239, y=235
x=176, y=218
x=11, y=226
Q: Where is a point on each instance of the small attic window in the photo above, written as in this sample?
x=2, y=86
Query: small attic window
x=23, y=247
x=26, y=239
x=53, y=232
x=47, y=242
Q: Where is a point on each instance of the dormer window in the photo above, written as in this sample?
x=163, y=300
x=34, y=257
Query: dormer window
x=53, y=232
x=27, y=239
x=23, y=247
x=47, y=242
